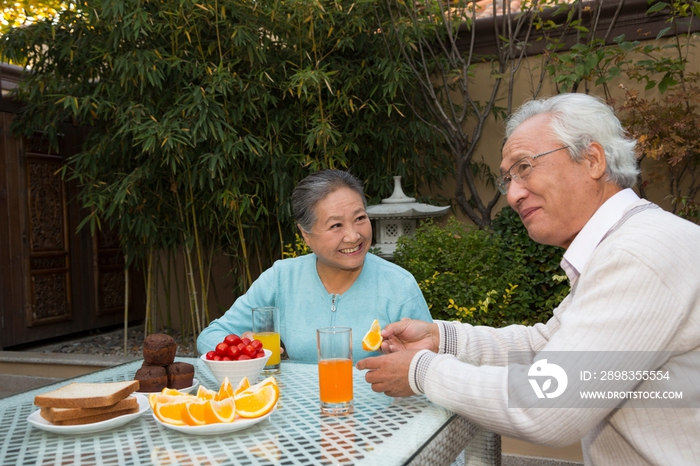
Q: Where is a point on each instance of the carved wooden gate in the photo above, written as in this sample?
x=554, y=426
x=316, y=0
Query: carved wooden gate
x=53, y=281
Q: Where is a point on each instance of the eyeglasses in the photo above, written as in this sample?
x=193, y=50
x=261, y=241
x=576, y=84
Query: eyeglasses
x=520, y=170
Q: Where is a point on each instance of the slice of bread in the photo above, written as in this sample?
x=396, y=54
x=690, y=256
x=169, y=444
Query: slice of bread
x=95, y=418
x=87, y=395
x=63, y=414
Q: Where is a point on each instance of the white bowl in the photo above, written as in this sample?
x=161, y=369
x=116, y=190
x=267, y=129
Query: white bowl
x=236, y=370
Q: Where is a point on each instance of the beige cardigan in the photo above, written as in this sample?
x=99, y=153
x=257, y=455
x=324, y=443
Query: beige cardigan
x=640, y=291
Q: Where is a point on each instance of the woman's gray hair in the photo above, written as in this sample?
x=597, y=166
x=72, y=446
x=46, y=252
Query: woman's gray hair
x=577, y=121
x=314, y=188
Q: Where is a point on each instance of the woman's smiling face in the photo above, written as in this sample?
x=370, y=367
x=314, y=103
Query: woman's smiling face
x=342, y=234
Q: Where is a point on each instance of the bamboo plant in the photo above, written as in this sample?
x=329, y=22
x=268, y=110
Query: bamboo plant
x=203, y=116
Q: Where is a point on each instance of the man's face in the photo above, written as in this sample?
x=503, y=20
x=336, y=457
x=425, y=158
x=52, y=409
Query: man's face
x=559, y=196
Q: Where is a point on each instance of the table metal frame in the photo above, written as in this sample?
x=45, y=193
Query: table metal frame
x=382, y=431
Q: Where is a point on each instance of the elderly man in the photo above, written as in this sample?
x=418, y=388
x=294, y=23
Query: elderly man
x=567, y=169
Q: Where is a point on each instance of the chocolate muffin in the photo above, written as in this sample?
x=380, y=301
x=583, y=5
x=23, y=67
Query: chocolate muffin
x=159, y=349
x=151, y=378
x=180, y=374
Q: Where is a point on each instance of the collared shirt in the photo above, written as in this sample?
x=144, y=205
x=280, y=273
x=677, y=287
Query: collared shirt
x=582, y=247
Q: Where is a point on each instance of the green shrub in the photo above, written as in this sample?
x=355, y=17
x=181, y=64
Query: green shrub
x=493, y=278
x=457, y=267
x=299, y=248
x=546, y=283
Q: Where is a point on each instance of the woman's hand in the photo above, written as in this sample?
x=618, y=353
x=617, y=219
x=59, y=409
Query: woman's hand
x=410, y=334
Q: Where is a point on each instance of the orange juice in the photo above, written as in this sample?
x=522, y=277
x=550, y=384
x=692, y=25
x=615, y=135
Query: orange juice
x=270, y=341
x=335, y=380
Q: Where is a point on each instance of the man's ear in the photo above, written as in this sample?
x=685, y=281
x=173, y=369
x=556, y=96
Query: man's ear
x=595, y=160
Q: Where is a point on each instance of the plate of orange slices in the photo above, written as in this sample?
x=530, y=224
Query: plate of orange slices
x=214, y=412
x=219, y=428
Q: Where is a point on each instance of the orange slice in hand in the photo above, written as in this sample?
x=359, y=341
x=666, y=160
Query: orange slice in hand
x=257, y=401
x=372, y=340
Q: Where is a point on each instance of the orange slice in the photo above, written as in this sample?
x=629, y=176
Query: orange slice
x=225, y=390
x=194, y=412
x=253, y=388
x=160, y=398
x=171, y=412
x=372, y=340
x=242, y=385
x=220, y=411
x=257, y=401
x=205, y=394
x=173, y=392
x=152, y=399
x=269, y=381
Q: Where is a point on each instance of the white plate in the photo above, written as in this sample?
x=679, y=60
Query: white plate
x=195, y=384
x=39, y=422
x=211, y=429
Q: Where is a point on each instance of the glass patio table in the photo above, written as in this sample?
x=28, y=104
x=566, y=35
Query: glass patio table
x=382, y=431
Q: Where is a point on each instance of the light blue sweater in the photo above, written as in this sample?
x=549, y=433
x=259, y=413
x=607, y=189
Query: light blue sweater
x=382, y=291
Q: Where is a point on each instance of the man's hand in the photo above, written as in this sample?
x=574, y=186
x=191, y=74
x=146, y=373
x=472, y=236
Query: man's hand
x=389, y=373
x=410, y=334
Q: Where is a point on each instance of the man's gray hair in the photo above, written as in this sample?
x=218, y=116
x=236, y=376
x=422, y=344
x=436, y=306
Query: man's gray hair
x=314, y=188
x=577, y=121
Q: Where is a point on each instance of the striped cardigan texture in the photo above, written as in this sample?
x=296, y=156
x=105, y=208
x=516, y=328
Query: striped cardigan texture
x=639, y=292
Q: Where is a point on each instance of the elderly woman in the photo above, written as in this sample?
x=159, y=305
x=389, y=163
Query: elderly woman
x=338, y=285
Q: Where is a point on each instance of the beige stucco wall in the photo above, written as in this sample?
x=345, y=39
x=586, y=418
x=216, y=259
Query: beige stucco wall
x=525, y=87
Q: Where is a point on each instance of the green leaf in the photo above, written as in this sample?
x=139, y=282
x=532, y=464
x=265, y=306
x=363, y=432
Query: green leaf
x=665, y=83
x=662, y=33
x=658, y=7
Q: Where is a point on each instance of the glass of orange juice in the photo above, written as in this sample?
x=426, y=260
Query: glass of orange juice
x=266, y=328
x=335, y=369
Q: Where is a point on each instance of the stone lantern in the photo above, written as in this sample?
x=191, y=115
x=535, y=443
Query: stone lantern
x=396, y=216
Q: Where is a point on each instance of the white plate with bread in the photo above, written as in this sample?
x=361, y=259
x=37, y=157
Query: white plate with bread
x=88, y=407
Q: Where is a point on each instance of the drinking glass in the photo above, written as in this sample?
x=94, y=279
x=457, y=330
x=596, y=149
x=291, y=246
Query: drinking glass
x=266, y=328
x=335, y=369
